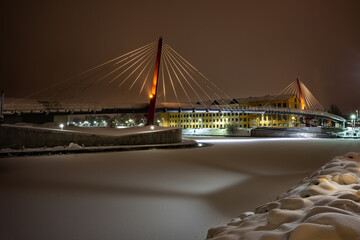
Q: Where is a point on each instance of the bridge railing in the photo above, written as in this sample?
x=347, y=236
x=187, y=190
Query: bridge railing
x=277, y=110
x=57, y=107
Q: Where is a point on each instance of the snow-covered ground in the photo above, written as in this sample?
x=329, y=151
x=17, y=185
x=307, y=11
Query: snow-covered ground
x=94, y=130
x=153, y=194
x=325, y=206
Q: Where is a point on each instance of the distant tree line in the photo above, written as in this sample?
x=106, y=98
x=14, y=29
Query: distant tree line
x=335, y=110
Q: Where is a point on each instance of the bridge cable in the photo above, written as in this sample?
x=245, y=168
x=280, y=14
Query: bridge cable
x=186, y=63
x=172, y=83
x=148, y=61
x=80, y=74
x=170, y=61
x=287, y=90
x=188, y=82
x=140, y=52
x=147, y=76
x=147, y=58
x=142, y=57
x=203, y=76
x=163, y=81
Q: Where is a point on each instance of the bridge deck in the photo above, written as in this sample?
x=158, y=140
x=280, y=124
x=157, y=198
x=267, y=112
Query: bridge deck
x=64, y=109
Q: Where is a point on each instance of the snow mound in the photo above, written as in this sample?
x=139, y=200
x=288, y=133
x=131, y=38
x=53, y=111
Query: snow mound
x=325, y=206
x=74, y=146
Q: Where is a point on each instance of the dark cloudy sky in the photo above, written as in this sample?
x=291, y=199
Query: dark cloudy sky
x=247, y=48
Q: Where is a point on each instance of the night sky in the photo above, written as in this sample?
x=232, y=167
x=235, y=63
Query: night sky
x=247, y=48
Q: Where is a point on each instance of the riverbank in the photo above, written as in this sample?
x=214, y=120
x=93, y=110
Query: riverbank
x=325, y=205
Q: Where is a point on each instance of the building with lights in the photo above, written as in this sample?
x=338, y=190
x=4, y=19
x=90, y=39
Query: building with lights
x=197, y=120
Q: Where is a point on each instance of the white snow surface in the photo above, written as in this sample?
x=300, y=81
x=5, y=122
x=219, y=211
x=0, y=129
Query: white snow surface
x=155, y=194
x=71, y=146
x=325, y=206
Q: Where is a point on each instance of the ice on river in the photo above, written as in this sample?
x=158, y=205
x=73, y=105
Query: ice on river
x=152, y=194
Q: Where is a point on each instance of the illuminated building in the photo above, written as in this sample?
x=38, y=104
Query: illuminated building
x=196, y=120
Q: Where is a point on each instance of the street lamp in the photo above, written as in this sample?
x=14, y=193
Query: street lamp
x=353, y=120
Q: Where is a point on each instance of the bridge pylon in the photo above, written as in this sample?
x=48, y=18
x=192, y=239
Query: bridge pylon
x=301, y=95
x=151, y=114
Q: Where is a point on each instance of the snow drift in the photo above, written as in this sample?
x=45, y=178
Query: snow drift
x=325, y=205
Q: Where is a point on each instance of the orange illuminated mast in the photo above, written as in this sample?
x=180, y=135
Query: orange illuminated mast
x=301, y=95
x=151, y=114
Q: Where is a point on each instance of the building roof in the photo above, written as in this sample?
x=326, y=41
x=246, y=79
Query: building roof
x=223, y=102
x=266, y=98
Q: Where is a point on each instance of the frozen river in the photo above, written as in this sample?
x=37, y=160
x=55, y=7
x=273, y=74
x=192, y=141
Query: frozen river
x=152, y=194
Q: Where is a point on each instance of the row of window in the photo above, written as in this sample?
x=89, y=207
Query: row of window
x=266, y=117
x=181, y=115
x=274, y=125
x=207, y=126
x=209, y=120
x=278, y=117
x=274, y=105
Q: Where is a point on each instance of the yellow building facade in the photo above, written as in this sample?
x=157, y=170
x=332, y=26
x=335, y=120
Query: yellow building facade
x=197, y=120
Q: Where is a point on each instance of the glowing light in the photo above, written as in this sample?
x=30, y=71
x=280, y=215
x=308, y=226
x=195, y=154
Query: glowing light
x=151, y=96
x=249, y=140
x=152, y=127
x=353, y=116
x=61, y=125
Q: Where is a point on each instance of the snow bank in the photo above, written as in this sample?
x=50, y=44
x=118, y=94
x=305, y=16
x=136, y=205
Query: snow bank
x=325, y=205
x=71, y=146
x=74, y=146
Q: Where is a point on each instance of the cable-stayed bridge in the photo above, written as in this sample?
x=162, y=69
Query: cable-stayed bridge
x=77, y=109
x=124, y=84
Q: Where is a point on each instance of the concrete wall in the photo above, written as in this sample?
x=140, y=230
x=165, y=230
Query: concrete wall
x=17, y=137
x=316, y=132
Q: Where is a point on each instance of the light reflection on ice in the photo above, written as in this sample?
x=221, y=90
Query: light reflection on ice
x=250, y=140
